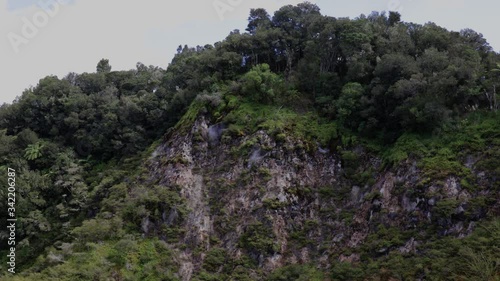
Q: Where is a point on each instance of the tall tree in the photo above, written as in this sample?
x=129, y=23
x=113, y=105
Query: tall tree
x=258, y=19
x=103, y=66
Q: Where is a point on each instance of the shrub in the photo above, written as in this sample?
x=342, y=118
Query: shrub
x=297, y=273
x=95, y=230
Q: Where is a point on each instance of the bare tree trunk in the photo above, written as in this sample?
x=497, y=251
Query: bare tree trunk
x=495, y=104
x=491, y=99
x=289, y=60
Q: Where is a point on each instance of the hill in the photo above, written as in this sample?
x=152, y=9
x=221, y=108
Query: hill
x=306, y=148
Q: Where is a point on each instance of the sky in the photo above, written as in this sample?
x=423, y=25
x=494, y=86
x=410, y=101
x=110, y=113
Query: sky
x=55, y=37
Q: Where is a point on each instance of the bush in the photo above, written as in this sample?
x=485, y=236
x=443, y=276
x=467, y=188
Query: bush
x=96, y=230
x=214, y=259
x=297, y=273
x=257, y=239
x=261, y=84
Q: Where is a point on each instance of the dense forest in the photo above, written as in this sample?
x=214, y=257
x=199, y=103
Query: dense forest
x=372, y=94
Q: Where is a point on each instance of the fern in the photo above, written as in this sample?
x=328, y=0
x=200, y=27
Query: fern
x=33, y=151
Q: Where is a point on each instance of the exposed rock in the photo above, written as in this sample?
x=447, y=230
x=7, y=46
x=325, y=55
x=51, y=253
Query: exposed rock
x=295, y=194
x=431, y=201
x=356, y=195
x=356, y=239
x=352, y=258
x=409, y=247
x=408, y=206
x=470, y=161
x=451, y=187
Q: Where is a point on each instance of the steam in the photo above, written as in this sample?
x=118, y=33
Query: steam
x=255, y=157
x=215, y=132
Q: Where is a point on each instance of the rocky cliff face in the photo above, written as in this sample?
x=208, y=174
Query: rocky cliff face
x=279, y=202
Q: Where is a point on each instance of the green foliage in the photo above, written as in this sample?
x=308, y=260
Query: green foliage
x=408, y=145
x=350, y=161
x=103, y=66
x=100, y=114
x=279, y=122
x=384, y=239
x=215, y=259
x=301, y=235
x=260, y=84
x=265, y=173
x=96, y=230
x=274, y=203
x=154, y=205
x=298, y=273
x=471, y=258
x=127, y=259
x=479, y=266
x=346, y=271
x=33, y=151
x=26, y=137
x=445, y=208
x=349, y=102
x=257, y=239
x=189, y=117
x=443, y=164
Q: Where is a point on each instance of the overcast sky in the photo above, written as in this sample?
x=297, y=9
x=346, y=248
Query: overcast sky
x=78, y=33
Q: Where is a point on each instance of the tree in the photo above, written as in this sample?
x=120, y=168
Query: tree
x=260, y=84
x=431, y=35
x=25, y=138
x=433, y=61
x=394, y=18
x=395, y=66
x=103, y=66
x=33, y=151
x=348, y=103
x=293, y=22
x=258, y=19
x=492, y=96
x=475, y=40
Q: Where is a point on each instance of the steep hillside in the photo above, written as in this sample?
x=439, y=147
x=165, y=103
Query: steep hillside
x=307, y=148
x=269, y=194
x=242, y=191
